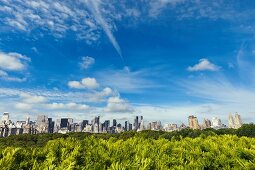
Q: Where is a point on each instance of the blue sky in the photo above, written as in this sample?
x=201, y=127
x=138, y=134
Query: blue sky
x=163, y=59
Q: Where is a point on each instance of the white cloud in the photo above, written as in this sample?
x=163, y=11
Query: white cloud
x=89, y=83
x=60, y=96
x=57, y=17
x=118, y=105
x=219, y=90
x=23, y=106
x=75, y=84
x=204, y=65
x=13, y=61
x=69, y=106
x=88, y=21
x=126, y=80
x=101, y=96
x=87, y=62
x=27, y=98
x=107, y=91
x=54, y=103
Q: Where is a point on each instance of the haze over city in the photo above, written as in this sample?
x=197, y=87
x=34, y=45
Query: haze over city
x=165, y=59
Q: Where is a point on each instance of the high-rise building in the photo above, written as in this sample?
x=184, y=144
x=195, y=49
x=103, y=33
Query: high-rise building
x=64, y=123
x=238, y=121
x=106, y=125
x=193, y=122
x=5, y=118
x=28, y=121
x=206, y=124
x=42, y=124
x=97, y=120
x=231, y=123
x=234, y=122
x=114, y=123
x=119, y=125
x=20, y=124
x=156, y=125
x=96, y=124
x=126, y=125
x=170, y=127
x=216, y=123
x=51, y=125
x=136, y=123
x=130, y=126
x=57, y=125
x=88, y=128
x=84, y=123
x=96, y=128
x=141, y=125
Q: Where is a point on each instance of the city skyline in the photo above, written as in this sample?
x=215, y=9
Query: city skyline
x=163, y=59
x=193, y=121
x=224, y=119
x=44, y=124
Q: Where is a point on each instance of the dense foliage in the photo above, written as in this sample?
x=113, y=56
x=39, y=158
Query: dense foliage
x=185, y=149
x=212, y=152
x=41, y=140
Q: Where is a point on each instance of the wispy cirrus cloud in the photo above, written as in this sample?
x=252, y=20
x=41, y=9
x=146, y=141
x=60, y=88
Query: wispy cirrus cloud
x=156, y=7
x=86, y=62
x=126, y=80
x=95, y=6
x=87, y=19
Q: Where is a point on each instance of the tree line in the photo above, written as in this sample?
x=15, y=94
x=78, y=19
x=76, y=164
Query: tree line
x=40, y=140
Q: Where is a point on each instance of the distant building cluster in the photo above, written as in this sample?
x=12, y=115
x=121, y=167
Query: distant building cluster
x=44, y=124
x=233, y=122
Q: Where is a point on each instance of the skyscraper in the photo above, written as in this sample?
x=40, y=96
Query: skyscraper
x=126, y=125
x=234, y=122
x=5, y=118
x=96, y=124
x=84, y=123
x=97, y=120
x=51, y=125
x=130, y=126
x=206, y=124
x=216, y=123
x=193, y=122
x=106, y=125
x=136, y=123
x=231, y=123
x=114, y=123
x=141, y=125
x=238, y=122
x=156, y=125
x=42, y=124
x=64, y=123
